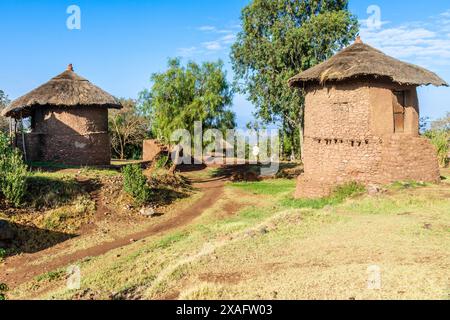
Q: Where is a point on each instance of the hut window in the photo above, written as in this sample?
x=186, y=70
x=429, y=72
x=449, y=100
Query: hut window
x=399, y=111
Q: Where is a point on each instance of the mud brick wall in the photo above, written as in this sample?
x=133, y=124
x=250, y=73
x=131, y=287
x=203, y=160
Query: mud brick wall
x=339, y=146
x=406, y=158
x=349, y=136
x=75, y=136
x=151, y=149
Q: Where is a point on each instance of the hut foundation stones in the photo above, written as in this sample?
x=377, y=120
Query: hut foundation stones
x=364, y=130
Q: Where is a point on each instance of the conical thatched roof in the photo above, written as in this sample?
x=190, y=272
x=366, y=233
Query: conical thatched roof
x=65, y=90
x=361, y=60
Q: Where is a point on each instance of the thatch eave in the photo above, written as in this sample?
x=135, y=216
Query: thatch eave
x=67, y=90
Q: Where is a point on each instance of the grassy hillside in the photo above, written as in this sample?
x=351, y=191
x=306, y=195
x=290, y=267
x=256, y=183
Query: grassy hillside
x=256, y=242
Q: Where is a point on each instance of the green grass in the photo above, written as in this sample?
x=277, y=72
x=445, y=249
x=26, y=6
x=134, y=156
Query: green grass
x=402, y=185
x=50, y=276
x=171, y=239
x=337, y=197
x=315, y=249
x=267, y=187
x=50, y=190
x=2, y=254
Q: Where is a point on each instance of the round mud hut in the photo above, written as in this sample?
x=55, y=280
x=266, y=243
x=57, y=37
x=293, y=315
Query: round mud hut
x=362, y=122
x=68, y=121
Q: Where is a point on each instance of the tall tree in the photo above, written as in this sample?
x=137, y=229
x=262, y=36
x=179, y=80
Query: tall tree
x=4, y=101
x=185, y=94
x=279, y=39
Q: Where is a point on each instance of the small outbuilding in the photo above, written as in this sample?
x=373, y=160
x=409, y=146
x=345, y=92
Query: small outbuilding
x=362, y=122
x=68, y=121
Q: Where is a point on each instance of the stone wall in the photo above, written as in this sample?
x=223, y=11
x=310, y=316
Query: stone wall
x=349, y=136
x=75, y=136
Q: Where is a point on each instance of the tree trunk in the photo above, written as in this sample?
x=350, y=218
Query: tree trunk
x=175, y=161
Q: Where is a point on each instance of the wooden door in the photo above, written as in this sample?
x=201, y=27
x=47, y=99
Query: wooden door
x=399, y=111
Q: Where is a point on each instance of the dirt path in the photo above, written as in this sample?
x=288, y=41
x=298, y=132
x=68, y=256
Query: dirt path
x=18, y=270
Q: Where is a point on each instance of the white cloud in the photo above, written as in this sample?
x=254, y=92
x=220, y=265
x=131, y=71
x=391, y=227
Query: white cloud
x=222, y=39
x=188, y=52
x=425, y=42
x=446, y=14
x=207, y=28
x=212, y=45
x=228, y=39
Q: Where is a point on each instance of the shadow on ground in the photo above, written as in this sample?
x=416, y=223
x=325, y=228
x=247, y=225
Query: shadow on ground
x=29, y=239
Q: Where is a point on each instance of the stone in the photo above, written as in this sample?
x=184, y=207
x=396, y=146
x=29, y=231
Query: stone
x=373, y=189
x=263, y=230
x=7, y=233
x=147, y=212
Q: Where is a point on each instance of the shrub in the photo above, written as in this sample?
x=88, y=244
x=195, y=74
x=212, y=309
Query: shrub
x=135, y=184
x=14, y=173
x=2, y=254
x=3, y=289
x=440, y=139
x=163, y=162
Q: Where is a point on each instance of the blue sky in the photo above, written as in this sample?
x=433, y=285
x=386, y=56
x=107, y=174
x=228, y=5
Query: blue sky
x=121, y=43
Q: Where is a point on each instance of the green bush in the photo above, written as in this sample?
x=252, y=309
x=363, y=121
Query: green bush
x=440, y=139
x=2, y=254
x=3, y=289
x=14, y=173
x=163, y=162
x=135, y=184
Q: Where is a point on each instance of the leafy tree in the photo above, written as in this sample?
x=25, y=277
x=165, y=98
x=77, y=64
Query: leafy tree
x=279, y=39
x=128, y=128
x=183, y=95
x=4, y=101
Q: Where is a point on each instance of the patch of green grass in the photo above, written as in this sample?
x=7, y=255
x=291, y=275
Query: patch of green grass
x=267, y=187
x=399, y=204
x=171, y=239
x=402, y=185
x=337, y=197
x=51, y=276
x=99, y=172
x=3, y=289
x=69, y=218
x=47, y=190
x=2, y=254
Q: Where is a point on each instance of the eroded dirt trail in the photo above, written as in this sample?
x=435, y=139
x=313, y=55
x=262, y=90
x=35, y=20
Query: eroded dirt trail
x=19, y=269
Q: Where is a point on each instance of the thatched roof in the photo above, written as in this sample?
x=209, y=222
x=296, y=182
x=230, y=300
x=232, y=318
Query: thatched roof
x=361, y=60
x=65, y=90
